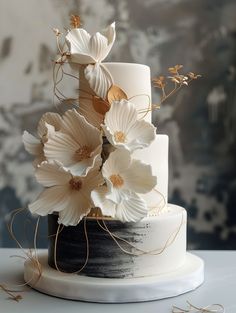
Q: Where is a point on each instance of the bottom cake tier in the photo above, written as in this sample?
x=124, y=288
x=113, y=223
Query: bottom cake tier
x=108, y=248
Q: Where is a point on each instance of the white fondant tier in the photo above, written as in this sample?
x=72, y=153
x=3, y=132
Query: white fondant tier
x=135, y=80
x=108, y=290
x=158, y=246
x=157, y=156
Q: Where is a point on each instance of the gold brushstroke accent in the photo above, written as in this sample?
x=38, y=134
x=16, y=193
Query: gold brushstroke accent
x=115, y=93
x=117, y=180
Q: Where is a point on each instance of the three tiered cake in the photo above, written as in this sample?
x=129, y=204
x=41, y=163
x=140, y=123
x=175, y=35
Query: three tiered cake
x=105, y=173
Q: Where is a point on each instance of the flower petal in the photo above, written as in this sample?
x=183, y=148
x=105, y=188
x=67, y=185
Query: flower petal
x=132, y=209
x=51, y=174
x=77, y=40
x=76, y=125
x=86, y=109
x=117, y=195
x=78, y=206
x=107, y=207
x=121, y=116
x=83, y=167
x=94, y=176
x=117, y=162
x=141, y=135
x=110, y=34
x=138, y=177
x=98, y=47
x=99, y=78
x=61, y=147
x=32, y=144
x=50, y=118
x=53, y=199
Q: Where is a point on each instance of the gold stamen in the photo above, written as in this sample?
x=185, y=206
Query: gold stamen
x=82, y=153
x=119, y=136
x=117, y=180
x=75, y=183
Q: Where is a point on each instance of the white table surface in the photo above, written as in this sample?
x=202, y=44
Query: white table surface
x=219, y=287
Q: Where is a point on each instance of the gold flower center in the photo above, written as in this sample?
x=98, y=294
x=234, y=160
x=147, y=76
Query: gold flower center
x=119, y=136
x=117, y=180
x=75, y=183
x=82, y=153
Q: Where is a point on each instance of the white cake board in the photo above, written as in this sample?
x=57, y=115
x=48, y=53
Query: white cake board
x=115, y=290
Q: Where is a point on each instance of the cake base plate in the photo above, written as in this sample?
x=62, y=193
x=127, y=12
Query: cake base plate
x=114, y=290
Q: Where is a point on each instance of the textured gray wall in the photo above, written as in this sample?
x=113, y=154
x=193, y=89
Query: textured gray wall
x=201, y=34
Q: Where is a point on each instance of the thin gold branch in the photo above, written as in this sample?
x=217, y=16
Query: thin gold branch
x=178, y=79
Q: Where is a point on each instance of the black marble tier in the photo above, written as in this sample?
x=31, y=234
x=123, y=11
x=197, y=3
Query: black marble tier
x=106, y=259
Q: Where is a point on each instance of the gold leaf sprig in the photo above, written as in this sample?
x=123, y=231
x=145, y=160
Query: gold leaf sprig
x=115, y=93
x=75, y=21
x=177, y=78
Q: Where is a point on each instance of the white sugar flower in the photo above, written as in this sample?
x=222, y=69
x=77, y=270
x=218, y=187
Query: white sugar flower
x=76, y=145
x=124, y=130
x=126, y=178
x=92, y=50
x=67, y=194
x=86, y=49
x=35, y=145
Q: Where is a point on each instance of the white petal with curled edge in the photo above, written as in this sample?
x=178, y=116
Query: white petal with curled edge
x=53, y=199
x=118, y=162
x=99, y=78
x=138, y=177
x=141, y=135
x=121, y=116
x=77, y=40
x=76, y=125
x=51, y=174
x=79, y=205
x=32, y=144
x=107, y=206
x=131, y=210
x=110, y=34
x=117, y=195
x=61, y=147
x=50, y=118
x=83, y=167
x=98, y=47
